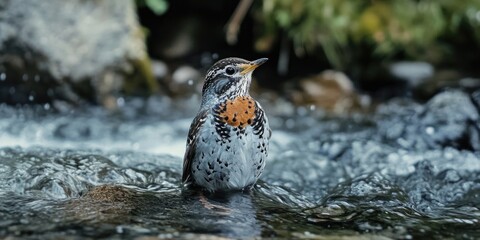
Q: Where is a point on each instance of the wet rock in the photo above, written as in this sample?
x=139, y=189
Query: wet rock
x=330, y=90
x=414, y=73
x=178, y=81
x=469, y=83
x=185, y=81
x=83, y=44
x=159, y=68
x=475, y=138
x=448, y=119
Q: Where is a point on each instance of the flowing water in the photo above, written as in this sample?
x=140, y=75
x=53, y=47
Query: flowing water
x=405, y=171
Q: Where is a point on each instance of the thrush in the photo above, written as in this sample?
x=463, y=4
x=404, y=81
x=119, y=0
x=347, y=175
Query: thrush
x=227, y=143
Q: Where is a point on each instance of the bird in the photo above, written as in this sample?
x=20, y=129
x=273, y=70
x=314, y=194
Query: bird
x=227, y=144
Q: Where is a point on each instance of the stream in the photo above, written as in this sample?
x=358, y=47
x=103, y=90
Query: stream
x=406, y=170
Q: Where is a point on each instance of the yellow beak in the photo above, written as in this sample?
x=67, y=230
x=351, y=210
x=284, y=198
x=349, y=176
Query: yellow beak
x=249, y=67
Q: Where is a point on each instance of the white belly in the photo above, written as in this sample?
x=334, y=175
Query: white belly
x=234, y=163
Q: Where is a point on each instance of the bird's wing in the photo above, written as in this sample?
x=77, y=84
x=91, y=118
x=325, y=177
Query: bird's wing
x=260, y=125
x=197, y=123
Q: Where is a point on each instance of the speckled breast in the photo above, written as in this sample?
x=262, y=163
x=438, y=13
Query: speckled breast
x=238, y=112
x=232, y=147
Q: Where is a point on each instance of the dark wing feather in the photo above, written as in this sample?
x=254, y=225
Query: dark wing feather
x=191, y=142
x=260, y=123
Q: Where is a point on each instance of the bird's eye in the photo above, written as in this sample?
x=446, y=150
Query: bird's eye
x=230, y=70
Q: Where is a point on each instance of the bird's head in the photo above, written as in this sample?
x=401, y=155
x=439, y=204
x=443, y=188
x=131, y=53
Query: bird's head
x=229, y=77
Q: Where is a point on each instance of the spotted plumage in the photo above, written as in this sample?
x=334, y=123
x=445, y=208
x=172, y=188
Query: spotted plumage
x=238, y=112
x=227, y=142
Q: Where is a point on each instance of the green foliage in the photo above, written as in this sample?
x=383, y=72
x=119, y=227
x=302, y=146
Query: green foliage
x=159, y=7
x=389, y=26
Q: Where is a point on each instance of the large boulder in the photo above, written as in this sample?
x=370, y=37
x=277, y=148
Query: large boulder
x=72, y=47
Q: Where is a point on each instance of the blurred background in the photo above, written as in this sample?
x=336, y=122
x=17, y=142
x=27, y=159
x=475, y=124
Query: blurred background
x=337, y=55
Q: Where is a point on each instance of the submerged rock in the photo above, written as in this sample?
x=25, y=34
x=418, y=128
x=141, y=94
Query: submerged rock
x=107, y=203
x=66, y=44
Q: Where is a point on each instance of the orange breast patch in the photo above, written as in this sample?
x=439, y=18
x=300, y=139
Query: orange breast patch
x=238, y=112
